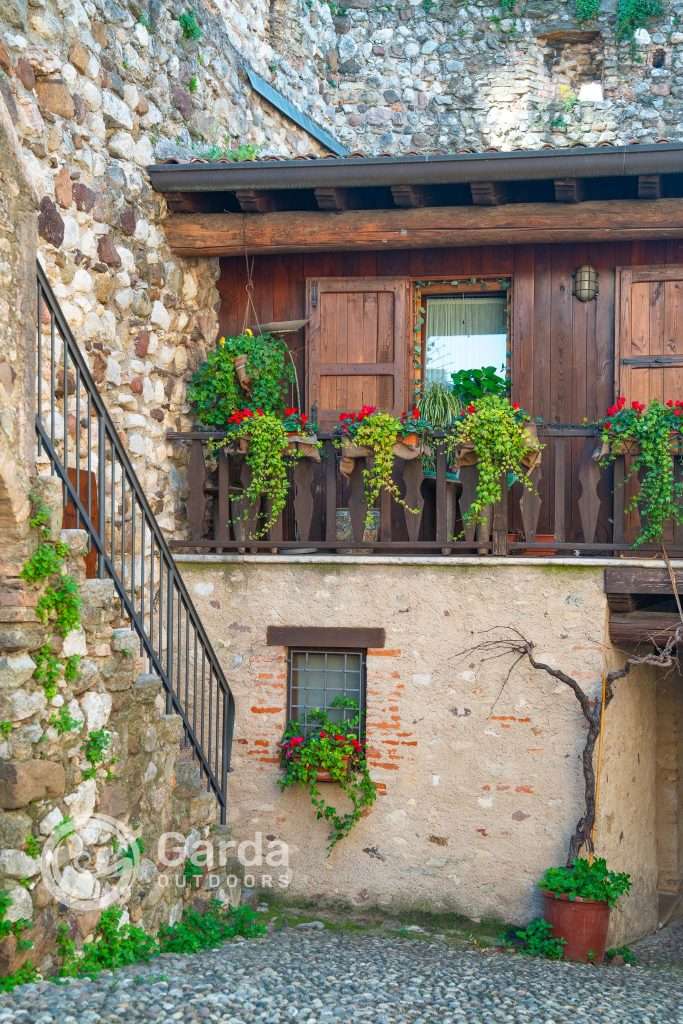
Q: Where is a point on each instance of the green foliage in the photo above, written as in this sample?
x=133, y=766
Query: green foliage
x=215, y=391
x=197, y=931
x=497, y=432
x=192, y=870
x=48, y=670
x=118, y=945
x=269, y=457
x=32, y=845
x=15, y=928
x=189, y=25
x=5, y=728
x=471, y=385
x=634, y=14
x=63, y=722
x=46, y=561
x=40, y=517
x=378, y=431
x=61, y=604
x=508, y=6
x=235, y=154
x=439, y=405
x=334, y=748
x=72, y=668
x=115, y=945
x=652, y=431
x=587, y=10
x=536, y=939
x=589, y=880
x=24, y=975
x=94, y=749
x=625, y=952
x=193, y=84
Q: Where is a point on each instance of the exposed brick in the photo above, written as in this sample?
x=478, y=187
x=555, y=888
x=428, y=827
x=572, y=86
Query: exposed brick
x=384, y=652
x=267, y=711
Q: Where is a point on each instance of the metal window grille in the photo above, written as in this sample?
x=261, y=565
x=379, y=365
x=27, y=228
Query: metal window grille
x=317, y=677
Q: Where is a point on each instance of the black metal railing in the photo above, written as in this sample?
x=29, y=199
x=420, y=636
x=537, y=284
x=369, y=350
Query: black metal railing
x=103, y=496
x=577, y=507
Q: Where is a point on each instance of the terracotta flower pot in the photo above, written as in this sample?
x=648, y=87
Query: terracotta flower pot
x=411, y=440
x=305, y=444
x=326, y=777
x=582, y=923
x=542, y=538
x=349, y=453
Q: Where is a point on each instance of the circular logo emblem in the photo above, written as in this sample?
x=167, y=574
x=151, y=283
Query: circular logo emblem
x=90, y=866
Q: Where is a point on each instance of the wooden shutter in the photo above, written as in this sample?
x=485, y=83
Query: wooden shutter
x=358, y=345
x=650, y=333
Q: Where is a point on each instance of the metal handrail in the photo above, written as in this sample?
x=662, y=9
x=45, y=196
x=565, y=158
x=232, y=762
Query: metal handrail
x=105, y=498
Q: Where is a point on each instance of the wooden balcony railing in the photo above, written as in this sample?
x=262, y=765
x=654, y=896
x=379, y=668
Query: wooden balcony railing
x=577, y=509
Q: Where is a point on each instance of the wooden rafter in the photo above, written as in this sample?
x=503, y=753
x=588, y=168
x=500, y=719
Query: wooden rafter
x=488, y=193
x=649, y=186
x=408, y=196
x=252, y=201
x=568, y=190
x=332, y=198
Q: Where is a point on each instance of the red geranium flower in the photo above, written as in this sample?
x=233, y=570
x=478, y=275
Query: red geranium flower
x=323, y=735
x=296, y=741
x=303, y=418
x=515, y=406
x=608, y=425
x=356, y=745
x=415, y=413
x=339, y=738
x=291, y=410
x=471, y=408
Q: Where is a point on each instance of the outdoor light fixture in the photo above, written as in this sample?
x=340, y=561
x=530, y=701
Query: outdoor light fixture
x=586, y=283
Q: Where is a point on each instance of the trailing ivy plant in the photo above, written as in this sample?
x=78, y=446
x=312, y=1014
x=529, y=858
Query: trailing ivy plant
x=269, y=456
x=27, y=972
x=496, y=430
x=378, y=431
x=215, y=391
x=332, y=747
x=94, y=749
x=649, y=433
x=62, y=721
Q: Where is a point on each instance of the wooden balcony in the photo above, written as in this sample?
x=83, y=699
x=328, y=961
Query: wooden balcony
x=578, y=510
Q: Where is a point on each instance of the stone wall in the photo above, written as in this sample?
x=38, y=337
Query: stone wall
x=144, y=782
x=445, y=75
x=98, y=91
x=480, y=780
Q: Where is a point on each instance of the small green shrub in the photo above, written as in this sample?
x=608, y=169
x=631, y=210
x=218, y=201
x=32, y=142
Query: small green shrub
x=46, y=561
x=536, y=939
x=72, y=668
x=587, y=880
x=197, y=931
x=61, y=604
x=193, y=84
x=5, y=728
x=189, y=25
x=48, y=670
x=94, y=749
x=635, y=14
x=24, y=975
x=625, y=952
x=115, y=945
x=62, y=721
x=32, y=845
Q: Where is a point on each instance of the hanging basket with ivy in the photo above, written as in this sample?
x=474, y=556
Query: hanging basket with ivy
x=653, y=437
x=246, y=369
x=497, y=437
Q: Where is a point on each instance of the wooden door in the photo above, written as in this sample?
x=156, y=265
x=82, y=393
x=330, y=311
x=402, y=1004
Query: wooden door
x=649, y=333
x=358, y=345
x=86, y=485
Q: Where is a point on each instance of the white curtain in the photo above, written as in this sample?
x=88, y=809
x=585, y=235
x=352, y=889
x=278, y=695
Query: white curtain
x=465, y=332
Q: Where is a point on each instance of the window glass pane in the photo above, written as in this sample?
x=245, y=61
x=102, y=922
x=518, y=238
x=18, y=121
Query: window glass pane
x=465, y=332
x=316, y=678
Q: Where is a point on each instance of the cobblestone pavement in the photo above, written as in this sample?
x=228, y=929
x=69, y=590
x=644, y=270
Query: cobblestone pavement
x=314, y=976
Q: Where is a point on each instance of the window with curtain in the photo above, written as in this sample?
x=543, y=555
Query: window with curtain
x=465, y=332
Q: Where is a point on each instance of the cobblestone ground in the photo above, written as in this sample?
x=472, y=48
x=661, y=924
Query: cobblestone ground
x=313, y=976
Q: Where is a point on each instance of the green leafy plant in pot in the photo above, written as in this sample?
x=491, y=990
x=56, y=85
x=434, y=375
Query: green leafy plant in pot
x=471, y=385
x=245, y=369
x=269, y=456
x=330, y=753
x=577, y=901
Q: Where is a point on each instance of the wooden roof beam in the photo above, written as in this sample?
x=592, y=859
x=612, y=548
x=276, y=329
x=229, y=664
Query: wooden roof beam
x=332, y=198
x=225, y=234
x=408, y=196
x=253, y=201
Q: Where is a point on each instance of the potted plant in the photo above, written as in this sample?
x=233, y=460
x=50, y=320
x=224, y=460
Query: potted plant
x=496, y=436
x=329, y=754
x=471, y=385
x=651, y=435
x=366, y=433
x=577, y=902
x=302, y=434
x=269, y=455
x=412, y=436
x=439, y=406
x=245, y=369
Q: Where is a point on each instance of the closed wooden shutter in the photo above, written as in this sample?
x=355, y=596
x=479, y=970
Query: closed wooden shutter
x=650, y=333
x=358, y=345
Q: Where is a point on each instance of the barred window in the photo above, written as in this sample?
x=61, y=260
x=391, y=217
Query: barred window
x=318, y=678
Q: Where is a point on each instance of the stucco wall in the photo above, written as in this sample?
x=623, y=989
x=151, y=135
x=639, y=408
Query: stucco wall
x=626, y=832
x=480, y=790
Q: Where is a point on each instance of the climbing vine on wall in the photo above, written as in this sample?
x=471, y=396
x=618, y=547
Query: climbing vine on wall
x=631, y=14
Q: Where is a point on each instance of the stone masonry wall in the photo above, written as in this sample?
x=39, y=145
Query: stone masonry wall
x=144, y=781
x=480, y=780
x=97, y=91
x=446, y=75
